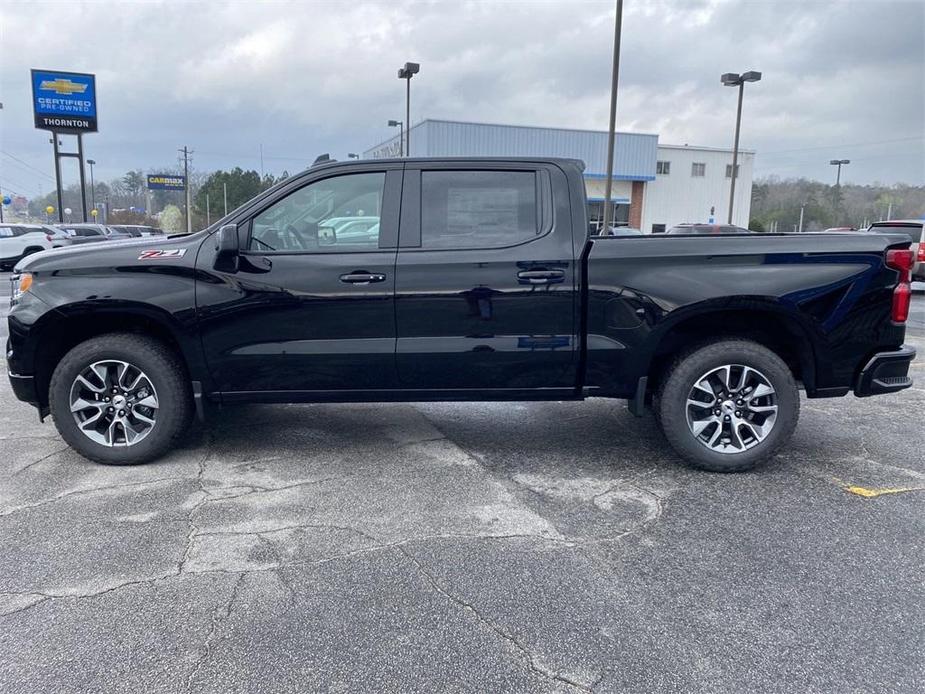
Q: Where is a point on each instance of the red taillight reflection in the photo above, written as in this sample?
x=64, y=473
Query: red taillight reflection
x=49, y=237
x=902, y=296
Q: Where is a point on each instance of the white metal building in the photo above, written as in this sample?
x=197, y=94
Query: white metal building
x=655, y=186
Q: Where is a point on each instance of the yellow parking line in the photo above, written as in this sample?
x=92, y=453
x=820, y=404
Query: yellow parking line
x=869, y=493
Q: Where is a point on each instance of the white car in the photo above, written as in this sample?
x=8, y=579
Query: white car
x=19, y=240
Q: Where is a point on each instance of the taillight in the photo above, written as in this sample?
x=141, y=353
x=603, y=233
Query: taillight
x=48, y=237
x=921, y=253
x=901, y=260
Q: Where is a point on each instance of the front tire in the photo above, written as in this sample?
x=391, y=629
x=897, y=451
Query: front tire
x=729, y=405
x=120, y=399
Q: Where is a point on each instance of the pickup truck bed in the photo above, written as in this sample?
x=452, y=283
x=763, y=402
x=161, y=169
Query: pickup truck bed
x=479, y=282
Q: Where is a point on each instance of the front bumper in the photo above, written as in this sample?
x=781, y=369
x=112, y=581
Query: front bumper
x=24, y=388
x=886, y=372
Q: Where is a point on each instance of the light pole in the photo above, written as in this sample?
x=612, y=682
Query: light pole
x=611, y=134
x=92, y=188
x=406, y=73
x=732, y=79
x=401, y=135
x=838, y=163
x=837, y=192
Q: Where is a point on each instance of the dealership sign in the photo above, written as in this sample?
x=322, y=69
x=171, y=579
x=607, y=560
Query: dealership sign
x=166, y=182
x=64, y=102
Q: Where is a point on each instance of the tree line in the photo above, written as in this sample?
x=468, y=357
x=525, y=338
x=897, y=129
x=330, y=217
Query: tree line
x=777, y=200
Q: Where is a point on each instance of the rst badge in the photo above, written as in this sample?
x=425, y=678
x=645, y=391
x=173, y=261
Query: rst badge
x=154, y=254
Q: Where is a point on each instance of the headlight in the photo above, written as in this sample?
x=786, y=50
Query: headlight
x=21, y=284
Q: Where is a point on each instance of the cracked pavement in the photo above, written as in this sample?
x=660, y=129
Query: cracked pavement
x=517, y=547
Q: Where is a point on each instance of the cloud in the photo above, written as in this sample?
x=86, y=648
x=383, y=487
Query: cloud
x=303, y=78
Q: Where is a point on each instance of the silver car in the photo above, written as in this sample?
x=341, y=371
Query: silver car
x=915, y=229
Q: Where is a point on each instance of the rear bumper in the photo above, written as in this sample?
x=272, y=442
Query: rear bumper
x=886, y=372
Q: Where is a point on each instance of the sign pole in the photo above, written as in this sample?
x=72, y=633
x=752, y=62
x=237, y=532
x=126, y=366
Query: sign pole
x=83, y=181
x=54, y=139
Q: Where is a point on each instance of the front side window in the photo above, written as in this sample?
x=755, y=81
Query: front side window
x=698, y=169
x=478, y=209
x=334, y=215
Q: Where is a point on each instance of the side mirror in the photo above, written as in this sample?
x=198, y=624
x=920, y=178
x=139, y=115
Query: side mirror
x=226, y=249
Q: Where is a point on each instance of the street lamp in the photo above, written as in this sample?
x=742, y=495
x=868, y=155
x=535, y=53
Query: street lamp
x=838, y=163
x=406, y=73
x=401, y=135
x=92, y=189
x=732, y=79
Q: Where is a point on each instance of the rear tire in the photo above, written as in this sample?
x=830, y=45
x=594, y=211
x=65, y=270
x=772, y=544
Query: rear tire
x=130, y=441
x=741, y=417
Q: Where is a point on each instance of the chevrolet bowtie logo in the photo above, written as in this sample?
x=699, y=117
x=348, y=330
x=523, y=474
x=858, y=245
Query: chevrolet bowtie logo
x=63, y=86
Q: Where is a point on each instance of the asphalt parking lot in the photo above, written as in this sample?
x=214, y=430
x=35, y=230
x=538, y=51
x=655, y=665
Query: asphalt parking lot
x=522, y=547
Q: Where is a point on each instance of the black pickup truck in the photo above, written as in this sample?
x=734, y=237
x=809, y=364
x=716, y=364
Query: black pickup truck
x=465, y=279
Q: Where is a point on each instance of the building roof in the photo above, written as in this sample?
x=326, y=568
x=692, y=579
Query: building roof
x=634, y=154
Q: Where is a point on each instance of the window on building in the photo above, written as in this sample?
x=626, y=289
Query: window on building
x=663, y=167
x=698, y=169
x=729, y=170
x=477, y=209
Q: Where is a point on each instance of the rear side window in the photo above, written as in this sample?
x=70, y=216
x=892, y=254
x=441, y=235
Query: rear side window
x=6, y=232
x=478, y=209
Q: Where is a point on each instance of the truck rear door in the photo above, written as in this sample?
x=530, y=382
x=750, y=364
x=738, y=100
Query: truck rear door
x=486, y=280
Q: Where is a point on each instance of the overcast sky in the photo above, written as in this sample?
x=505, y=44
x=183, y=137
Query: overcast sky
x=842, y=79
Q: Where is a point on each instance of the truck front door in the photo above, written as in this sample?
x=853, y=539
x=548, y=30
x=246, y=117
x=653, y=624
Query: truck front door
x=486, y=280
x=308, y=309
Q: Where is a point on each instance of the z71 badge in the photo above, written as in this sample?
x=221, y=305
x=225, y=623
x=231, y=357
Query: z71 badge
x=162, y=255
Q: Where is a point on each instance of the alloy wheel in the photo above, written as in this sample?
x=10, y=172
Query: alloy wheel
x=731, y=408
x=114, y=403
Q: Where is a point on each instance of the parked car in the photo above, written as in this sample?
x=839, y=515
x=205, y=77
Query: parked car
x=86, y=232
x=915, y=229
x=699, y=229
x=59, y=237
x=81, y=234
x=338, y=222
x=483, y=284
x=19, y=240
x=137, y=230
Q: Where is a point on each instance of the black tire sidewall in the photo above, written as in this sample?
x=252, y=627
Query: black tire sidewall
x=673, y=399
x=164, y=374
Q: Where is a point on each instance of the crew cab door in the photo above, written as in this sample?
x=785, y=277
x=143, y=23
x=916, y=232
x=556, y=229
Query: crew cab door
x=307, y=309
x=486, y=281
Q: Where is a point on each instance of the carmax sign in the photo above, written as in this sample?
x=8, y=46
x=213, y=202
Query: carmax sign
x=64, y=102
x=166, y=182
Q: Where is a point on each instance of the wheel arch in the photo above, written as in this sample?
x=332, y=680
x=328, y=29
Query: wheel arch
x=66, y=327
x=765, y=322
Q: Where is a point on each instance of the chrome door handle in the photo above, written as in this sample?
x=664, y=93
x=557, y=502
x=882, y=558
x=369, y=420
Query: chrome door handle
x=540, y=276
x=362, y=277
